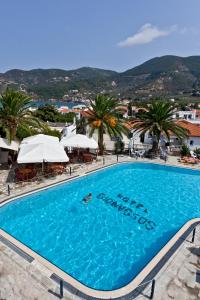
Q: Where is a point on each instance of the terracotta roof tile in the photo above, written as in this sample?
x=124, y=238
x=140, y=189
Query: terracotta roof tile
x=125, y=108
x=86, y=113
x=194, y=130
x=64, y=110
x=130, y=124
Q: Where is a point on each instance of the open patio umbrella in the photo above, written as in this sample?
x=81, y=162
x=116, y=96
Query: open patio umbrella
x=79, y=141
x=4, y=143
x=39, y=153
x=40, y=138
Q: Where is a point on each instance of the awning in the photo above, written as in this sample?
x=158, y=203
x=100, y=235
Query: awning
x=14, y=145
x=79, y=141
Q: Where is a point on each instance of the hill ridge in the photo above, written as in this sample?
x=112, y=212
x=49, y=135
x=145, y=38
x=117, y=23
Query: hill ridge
x=160, y=76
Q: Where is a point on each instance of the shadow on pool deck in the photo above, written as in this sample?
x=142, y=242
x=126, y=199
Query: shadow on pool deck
x=194, y=250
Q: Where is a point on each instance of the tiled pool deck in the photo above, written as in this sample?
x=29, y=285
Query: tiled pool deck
x=22, y=279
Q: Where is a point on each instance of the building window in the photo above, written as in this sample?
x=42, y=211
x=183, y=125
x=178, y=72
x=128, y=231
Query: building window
x=191, y=143
x=142, y=138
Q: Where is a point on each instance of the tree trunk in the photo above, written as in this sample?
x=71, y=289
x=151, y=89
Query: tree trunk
x=13, y=131
x=154, y=148
x=100, y=140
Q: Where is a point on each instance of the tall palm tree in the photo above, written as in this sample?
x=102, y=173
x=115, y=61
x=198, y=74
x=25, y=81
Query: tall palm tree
x=105, y=116
x=81, y=125
x=15, y=113
x=158, y=120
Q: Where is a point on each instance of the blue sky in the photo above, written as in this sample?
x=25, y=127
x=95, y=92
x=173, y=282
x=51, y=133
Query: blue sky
x=110, y=34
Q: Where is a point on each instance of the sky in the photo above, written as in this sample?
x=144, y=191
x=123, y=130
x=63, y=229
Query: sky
x=109, y=34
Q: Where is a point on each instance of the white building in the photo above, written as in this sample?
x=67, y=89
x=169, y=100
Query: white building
x=193, y=140
x=186, y=115
x=192, y=116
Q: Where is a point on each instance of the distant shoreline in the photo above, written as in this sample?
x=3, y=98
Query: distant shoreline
x=57, y=103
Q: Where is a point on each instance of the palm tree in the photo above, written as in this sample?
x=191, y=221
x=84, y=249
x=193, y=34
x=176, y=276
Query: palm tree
x=105, y=116
x=158, y=120
x=81, y=125
x=15, y=113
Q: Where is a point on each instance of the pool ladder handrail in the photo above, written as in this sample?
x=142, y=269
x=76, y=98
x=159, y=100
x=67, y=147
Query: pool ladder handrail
x=153, y=281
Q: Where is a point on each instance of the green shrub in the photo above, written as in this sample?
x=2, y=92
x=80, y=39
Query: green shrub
x=51, y=114
x=185, y=151
x=26, y=132
x=197, y=151
x=119, y=147
x=52, y=132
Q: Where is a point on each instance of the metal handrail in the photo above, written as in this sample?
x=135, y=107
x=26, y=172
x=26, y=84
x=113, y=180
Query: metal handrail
x=6, y=191
x=153, y=281
x=37, y=177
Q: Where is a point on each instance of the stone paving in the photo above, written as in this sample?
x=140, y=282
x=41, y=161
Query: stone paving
x=178, y=279
x=20, y=280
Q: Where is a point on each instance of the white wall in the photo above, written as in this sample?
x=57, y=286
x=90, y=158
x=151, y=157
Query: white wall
x=195, y=139
x=137, y=140
x=110, y=145
x=187, y=115
x=3, y=156
x=196, y=142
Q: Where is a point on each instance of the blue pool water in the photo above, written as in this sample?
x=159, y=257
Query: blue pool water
x=135, y=209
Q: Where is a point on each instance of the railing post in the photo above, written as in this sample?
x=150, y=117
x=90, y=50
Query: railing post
x=61, y=289
x=8, y=190
x=152, y=289
x=70, y=171
x=117, y=157
x=193, y=234
x=103, y=160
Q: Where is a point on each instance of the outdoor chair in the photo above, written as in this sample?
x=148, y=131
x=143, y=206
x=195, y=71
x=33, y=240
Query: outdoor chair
x=141, y=153
x=23, y=174
x=133, y=153
x=87, y=157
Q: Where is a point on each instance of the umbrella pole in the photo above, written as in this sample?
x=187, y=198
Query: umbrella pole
x=96, y=154
x=43, y=166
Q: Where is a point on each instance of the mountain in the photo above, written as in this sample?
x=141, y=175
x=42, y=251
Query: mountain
x=55, y=83
x=164, y=76
x=39, y=76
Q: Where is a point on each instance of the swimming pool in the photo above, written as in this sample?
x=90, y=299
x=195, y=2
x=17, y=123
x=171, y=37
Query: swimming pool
x=135, y=209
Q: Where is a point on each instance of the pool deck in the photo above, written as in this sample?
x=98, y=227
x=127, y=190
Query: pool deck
x=79, y=170
x=22, y=279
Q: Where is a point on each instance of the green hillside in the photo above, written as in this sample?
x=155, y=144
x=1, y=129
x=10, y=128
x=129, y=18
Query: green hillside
x=161, y=76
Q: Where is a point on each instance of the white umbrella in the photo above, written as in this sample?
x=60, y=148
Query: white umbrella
x=69, y=131
x=79, y=141
x=39, y=153
x=40, y=138
x=14, y=145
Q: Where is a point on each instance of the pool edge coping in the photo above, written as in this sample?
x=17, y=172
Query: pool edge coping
x=75, y=284
x=99, y=294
